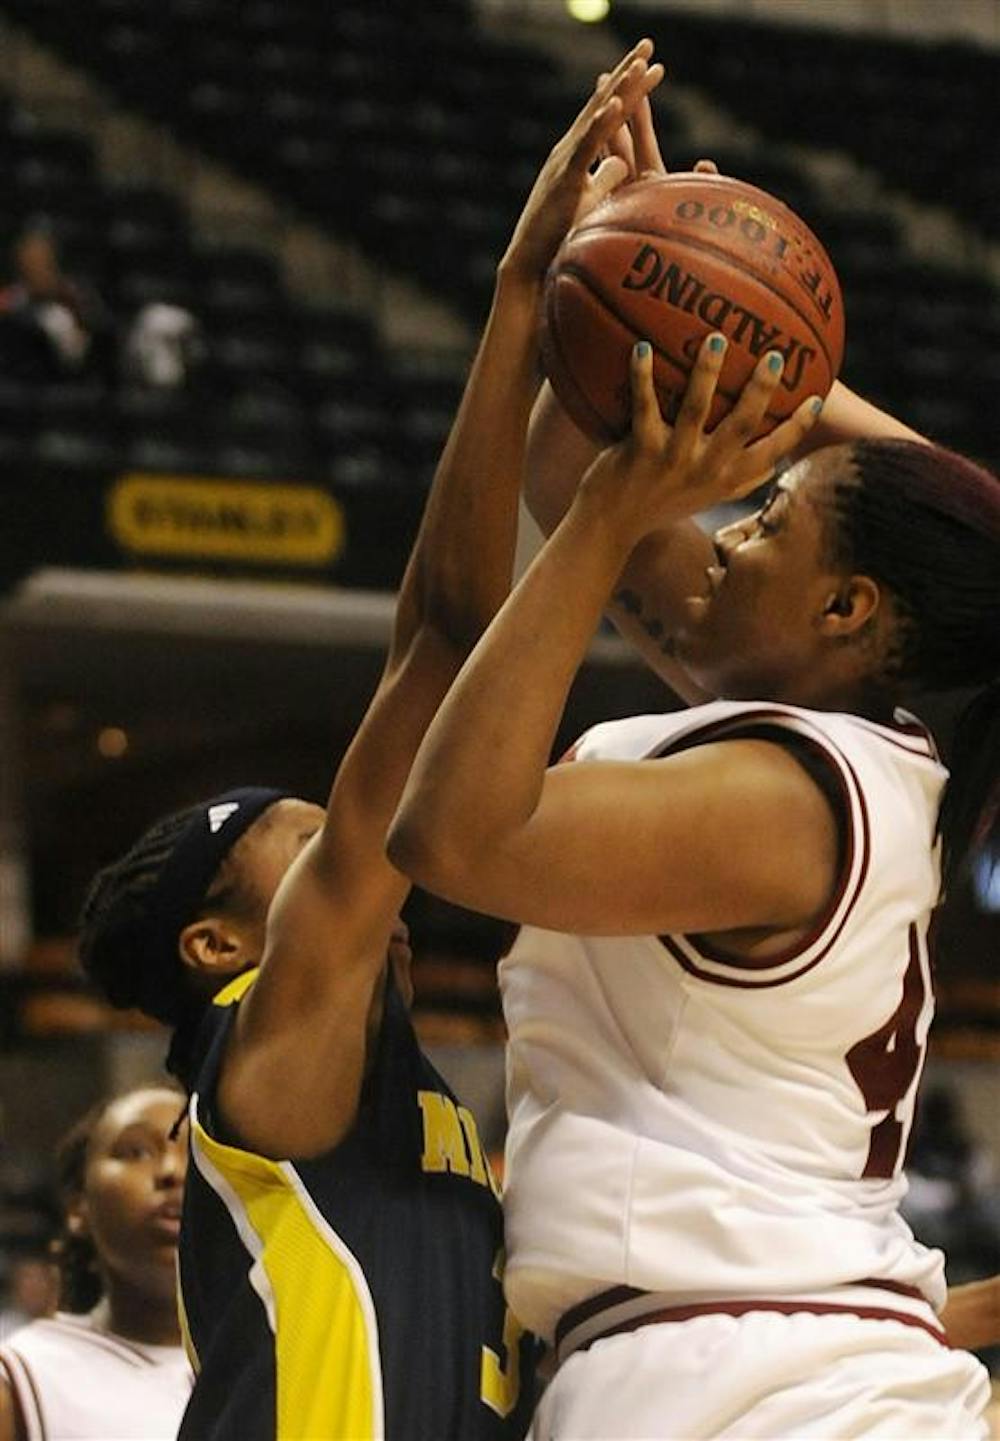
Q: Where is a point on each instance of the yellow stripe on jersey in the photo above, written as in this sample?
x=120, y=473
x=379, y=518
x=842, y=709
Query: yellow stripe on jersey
x=328, y=1377
x=235, y=989
x=186, y=1339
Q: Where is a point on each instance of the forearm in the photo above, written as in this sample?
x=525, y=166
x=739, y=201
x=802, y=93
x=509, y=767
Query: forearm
x=556, y=455
x=532, y=651
x=847, y=416
x=972, y=1314
x=663, y=569
x=460, y=568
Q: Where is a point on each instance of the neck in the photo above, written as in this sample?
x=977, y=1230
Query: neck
x=137, y=1316
x=867, y=698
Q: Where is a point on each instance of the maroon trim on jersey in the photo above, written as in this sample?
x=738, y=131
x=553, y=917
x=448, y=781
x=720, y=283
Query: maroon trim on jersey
x=714, y=953
x=577, y=1316
x=900, y=1288
x=674, y=1314
x=925, y=748
x=837, y=764
x=603, y=1301
x=914, y=726
x=23, y=1388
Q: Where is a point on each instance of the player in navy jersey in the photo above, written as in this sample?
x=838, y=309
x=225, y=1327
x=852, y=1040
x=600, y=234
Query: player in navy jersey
x=718, y=1006
x=341, y=1252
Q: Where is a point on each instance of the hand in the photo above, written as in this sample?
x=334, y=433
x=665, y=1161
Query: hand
x=636, y=143
x=658, y=475
x=566, y=190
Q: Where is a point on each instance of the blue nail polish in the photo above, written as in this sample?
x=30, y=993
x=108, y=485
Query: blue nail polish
x=643, y=349
x=717, y=343
x=775, y=362
x=816, y=406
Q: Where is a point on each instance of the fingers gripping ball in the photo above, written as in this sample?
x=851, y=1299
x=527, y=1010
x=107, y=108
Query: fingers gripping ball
x=669, y=260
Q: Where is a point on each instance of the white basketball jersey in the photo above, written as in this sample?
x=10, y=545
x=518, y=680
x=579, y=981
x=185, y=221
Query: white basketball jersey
x=74, y=1381
x=687, y=1123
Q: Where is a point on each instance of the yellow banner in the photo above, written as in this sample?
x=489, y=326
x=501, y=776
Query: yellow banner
x=205, y=518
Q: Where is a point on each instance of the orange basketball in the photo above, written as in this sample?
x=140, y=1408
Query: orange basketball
x=669, y=260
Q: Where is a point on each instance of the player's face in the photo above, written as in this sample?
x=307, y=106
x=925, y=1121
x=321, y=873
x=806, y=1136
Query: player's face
x=753, y=631
x=275, y=841
x=130, y=1206
x=272, y=844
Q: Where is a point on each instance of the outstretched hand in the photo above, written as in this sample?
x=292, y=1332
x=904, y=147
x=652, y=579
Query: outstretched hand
x=635, y=142
x=575, y=178
x=661, y=474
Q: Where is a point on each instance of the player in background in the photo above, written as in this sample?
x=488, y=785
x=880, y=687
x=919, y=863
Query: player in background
x=718, y=1016
x=341, y=1252
x=109, y=1366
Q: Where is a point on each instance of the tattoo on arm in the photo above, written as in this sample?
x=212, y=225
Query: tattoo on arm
x=631, y=604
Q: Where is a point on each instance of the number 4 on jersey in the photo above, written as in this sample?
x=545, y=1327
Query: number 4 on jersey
x=885, y=1064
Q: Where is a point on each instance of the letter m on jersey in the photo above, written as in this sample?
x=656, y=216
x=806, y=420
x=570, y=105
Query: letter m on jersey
x=451, y=1139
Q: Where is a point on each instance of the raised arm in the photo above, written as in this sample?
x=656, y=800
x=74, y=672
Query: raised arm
x=294, y=1070
x=677, y=844
x=646, y=600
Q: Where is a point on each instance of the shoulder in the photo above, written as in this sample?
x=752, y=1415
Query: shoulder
x=654, y=734
x=859, y=754
x=53, y=1333
x=48, y=1352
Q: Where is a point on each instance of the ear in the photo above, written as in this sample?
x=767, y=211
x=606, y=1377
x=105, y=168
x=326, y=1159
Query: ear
x=212, y=947
x=850, y=607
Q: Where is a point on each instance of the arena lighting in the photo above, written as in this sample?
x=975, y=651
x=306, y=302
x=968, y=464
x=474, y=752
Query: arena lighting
x=589, y=11
x=112, y=742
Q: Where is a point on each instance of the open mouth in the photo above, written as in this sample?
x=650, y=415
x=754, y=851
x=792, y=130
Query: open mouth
x=716, y=574
x=166, y=1225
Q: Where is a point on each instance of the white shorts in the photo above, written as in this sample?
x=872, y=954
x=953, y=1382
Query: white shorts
x=765, y=1376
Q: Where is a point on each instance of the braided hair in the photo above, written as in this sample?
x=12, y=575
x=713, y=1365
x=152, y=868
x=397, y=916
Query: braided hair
x=80, y=1286
x=925, y=523
x=115, y=916
x=138, y=908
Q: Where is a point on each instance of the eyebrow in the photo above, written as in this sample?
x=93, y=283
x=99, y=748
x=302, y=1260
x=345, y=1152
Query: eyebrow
x=142, y=1128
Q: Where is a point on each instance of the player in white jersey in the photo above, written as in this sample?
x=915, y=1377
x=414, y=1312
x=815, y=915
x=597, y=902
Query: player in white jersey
x=718, y=1019
x=109, y=1366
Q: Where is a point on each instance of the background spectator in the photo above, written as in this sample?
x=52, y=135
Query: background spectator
x=52, y=325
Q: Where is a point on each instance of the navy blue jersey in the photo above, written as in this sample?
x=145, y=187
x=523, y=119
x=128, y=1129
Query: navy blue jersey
x=357, y=1294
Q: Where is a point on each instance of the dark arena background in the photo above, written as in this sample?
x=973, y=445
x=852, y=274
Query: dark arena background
x=276, y=224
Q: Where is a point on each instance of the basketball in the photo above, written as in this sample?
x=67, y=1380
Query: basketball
x=670, y=260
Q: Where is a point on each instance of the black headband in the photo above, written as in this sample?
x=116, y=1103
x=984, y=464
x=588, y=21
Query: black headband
x=198, y=853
